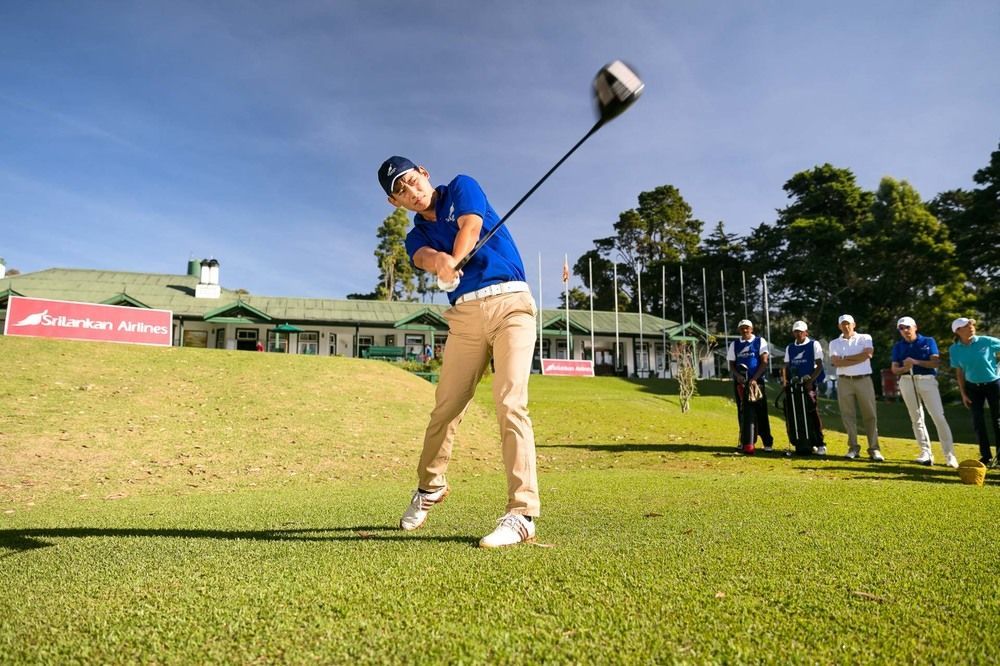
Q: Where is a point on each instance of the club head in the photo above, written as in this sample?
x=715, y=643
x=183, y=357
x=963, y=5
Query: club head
x=616, y=87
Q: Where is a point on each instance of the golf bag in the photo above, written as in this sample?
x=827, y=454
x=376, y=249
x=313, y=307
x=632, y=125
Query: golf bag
x=805, y=431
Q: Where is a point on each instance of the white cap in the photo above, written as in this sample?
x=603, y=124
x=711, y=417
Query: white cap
x=843, y=318
x=906, y=321
x=745, y=322
x=960, y=322
x=800, y=326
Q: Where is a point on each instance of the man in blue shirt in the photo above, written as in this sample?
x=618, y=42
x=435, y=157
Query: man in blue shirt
x=492, y=316
x=974, y=358
x=804, y=361
x=915, y=361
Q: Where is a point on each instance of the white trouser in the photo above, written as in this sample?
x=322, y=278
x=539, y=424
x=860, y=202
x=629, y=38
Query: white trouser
x=927, y=388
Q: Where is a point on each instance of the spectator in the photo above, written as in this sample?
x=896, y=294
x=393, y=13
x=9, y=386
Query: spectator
x=851, y=354
x=917, y=356
x=748, y=360
x=974, y=358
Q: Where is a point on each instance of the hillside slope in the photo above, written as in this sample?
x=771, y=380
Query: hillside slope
x=121, y=420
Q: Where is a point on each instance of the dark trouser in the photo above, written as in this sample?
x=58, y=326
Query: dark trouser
x=752, y=417
x=980, y=395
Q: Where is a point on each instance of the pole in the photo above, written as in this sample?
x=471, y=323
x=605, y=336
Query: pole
x=746, y=307
x=639, y=300
x=590, y=272
x=767, y=318
x=618, y=363
x=663, y=316
x=725, y=322
x=569, y=344
x=683, y=317
x=540, y=316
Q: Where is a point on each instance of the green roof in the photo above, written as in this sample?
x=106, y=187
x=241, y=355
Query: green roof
x=177, y=294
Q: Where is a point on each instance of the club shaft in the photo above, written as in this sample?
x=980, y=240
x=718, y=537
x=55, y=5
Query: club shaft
x=485, y=239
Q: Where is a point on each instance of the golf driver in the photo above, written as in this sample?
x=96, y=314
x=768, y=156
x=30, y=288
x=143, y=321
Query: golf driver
x=616, y=87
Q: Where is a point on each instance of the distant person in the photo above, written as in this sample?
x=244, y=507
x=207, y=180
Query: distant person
x=492, y=314
x=428, y=353
x=851, y=354
x=260, y=346
x=804, y=365
x=915, y=360
x=748, y=361
x=974, y=358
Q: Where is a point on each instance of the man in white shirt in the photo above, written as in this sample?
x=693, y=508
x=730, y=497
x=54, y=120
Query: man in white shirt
x=851, y=355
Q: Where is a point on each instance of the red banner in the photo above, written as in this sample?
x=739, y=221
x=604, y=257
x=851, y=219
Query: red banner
x=565, y=368
x=39, y=317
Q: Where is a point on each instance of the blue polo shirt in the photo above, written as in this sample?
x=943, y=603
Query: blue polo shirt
x=498, y=261
x=978, y=359
x=921, y=349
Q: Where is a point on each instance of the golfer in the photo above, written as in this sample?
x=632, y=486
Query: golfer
x=748, y=361
x=915, y=361
x=974, y=358
x=804, y=360
x=492, y=315
x=851, y=355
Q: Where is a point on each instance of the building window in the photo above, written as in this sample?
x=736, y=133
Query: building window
x=333, y=344
x=246, y=339
x=414, y=345
x=363, y=343
x=390, y=340
x=197, y=339
x=220, y=339
x=309, y=343
x=277, y=341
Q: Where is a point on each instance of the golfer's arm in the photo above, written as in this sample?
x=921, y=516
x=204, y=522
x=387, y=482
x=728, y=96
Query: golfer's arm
x=761, y=367
x=426, y=258
x=898, y=369
x=818, y=369
x=960, y=378
x=469, y=227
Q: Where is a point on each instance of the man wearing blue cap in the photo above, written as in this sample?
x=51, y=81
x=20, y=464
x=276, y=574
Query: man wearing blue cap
x=492, y=316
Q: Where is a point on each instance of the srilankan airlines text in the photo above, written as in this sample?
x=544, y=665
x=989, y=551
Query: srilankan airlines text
x=63, y=321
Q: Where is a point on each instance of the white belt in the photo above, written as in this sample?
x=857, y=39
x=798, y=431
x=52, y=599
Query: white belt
x=493, y=290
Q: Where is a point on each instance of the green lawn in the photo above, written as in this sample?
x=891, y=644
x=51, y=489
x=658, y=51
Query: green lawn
x=192, y=506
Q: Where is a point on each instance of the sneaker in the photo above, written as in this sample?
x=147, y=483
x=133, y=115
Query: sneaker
x=416, y=514
x=747, y=450
x=951, y=461
x=986, y=461
x=511, y=529
x=876, y=456
x=821, y=450
x=768, y=448
x=925, y=458
x=852, y=454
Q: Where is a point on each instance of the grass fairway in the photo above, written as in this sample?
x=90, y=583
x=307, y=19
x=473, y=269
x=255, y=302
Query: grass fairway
x=183, y=506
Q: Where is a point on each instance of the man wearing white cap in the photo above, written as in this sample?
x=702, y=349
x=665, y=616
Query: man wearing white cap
x=804, y=360
x=748, y=358
x=974, y=358
x=915, y=360
x=851, y=355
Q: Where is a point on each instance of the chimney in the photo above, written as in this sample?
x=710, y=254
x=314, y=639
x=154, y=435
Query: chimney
x=207, y=288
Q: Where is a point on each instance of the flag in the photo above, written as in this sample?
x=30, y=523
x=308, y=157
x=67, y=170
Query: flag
x=565, y=269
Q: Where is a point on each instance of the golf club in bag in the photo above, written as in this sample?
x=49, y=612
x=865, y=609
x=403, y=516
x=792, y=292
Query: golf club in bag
x=747, y=423
x=796, y=408
x=616, y=87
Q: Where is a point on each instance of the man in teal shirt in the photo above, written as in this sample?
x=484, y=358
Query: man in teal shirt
x=974, y=358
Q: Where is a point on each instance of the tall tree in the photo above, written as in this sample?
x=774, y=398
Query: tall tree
x=973, y=218
x=396, y=273
x=908, y=265
x=818, y=259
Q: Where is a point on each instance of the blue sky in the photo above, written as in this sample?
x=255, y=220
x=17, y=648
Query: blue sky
x=138, y=135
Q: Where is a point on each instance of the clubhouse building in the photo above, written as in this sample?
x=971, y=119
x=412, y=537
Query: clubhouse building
x=206, y=315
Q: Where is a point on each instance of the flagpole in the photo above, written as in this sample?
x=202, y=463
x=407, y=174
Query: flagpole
x=569, y=348
x=642, y=342
x=746, y=307
x=663, y=317
x=704, y=293
x=618, y=360
x=767, y=316
x=725, y=322
x=683, y=320
x=590, y=271
x=540, y=317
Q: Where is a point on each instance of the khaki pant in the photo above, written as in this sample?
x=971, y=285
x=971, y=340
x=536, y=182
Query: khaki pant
x=501, y=327
x=862, y=391
x=927, y=388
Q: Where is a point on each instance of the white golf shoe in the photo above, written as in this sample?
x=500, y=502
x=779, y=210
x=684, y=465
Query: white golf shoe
x=416, y=514
x=511, y=529
x=925, y=458
x=951, y=461
x=877, y=456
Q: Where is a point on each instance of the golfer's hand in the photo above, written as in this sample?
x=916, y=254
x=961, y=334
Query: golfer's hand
x=445, y=267
x=740, y=379
x=908, y=363
x=966, y=401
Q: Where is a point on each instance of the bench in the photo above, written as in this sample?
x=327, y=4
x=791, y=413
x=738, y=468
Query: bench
x=384, y=353
x=432, y=377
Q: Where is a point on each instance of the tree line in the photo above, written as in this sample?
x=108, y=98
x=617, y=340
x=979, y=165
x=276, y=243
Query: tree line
x=834, y=248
